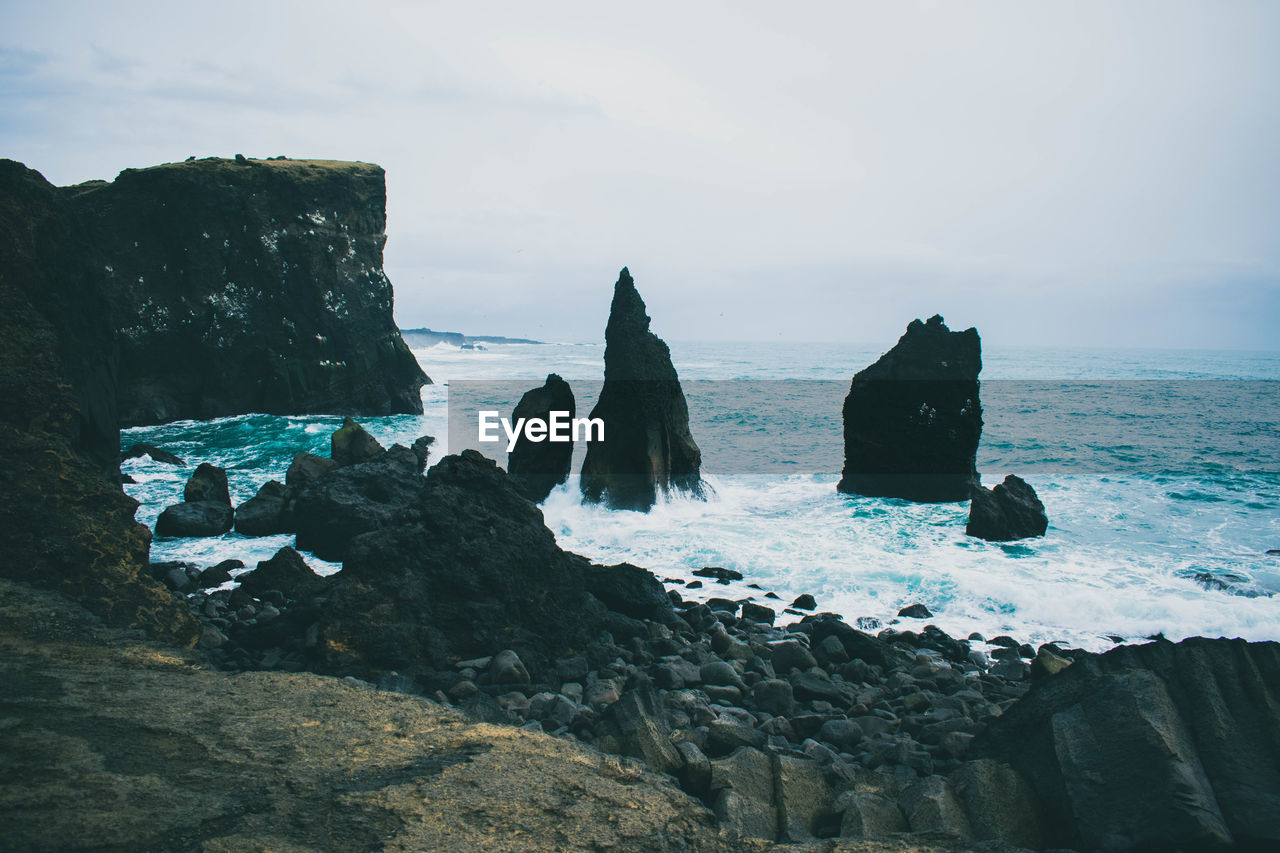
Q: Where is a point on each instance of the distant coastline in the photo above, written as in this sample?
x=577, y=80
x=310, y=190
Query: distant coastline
x=428, y=337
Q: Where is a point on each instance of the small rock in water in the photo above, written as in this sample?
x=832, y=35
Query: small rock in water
x=804, y=602
x=915, y=611
x=718, y=573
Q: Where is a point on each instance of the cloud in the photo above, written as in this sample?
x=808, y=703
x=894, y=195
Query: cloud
x=831, y=170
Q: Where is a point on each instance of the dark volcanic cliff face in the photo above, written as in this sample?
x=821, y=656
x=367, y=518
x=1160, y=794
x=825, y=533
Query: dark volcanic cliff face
x=66, y=524
x=249, y=286
x=647, y=445
x=913, y=419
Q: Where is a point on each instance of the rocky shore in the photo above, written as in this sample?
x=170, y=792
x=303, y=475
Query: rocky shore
x=789, y=725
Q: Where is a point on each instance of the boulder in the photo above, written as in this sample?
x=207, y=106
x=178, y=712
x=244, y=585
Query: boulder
x=306, y=468
x=351, y=444
x=470, y=569
x=195, y=519
x=806, y=804
x=1010, y=511
x=286, y=571
x=157, y=454
x=930, y=805
x=357, y=498
x=647, y=447
x=913, y=419
x=635, y=726
x=742, y=788
x=998, y=802
x=207, y=483
x=1158, y=746
x=538, y=467
x=264, y=513
x=218, y=574
x=630, y=590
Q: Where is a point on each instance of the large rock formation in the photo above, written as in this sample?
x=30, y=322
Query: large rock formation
x=67, y=524
x=248, y=286
x=1156, y=747
x=1010, y=511
x=538, y=467
x=476, y=571
x=912, y=420
x=647, y=447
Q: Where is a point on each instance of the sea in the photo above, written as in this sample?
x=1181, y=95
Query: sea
x=1159, y=471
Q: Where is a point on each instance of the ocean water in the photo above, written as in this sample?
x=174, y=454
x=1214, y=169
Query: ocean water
x=1160, y=472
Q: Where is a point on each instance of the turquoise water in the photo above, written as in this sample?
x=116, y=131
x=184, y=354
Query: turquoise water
x=1158, y=469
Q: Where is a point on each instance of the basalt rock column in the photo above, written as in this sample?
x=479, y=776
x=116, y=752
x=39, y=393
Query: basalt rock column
x=538, y=467
x=647, y=446
x=913, y=419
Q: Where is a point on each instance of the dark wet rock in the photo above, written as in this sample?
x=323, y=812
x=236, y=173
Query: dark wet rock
x=351, y=444
x=804, y=602
x=473, y=569
x=858, y=645
x=218, y=574
x=791, y=654
x=630, y=590
x=913, y=419
x=915, y=611
x=157, y=454
x=693, y=585
x=1008, y=512
x=719, y=573
x=1158, y=746
x=287, y=571
x=647, y=447
x=421, y=448
x=844, y=735
x=758, y=613
x=195, y=519
x=773, y=696
x=253, y=287
x=357, y=498
x=538, y=467
x=207, y=483
x=264, y=513
x=306, y=468
x=817, y=685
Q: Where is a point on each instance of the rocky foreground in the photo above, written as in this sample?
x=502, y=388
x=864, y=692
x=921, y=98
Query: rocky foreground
x=111, y=742
x=454, y=589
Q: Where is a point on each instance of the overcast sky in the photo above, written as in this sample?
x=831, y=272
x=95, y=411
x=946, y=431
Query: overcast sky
x=1084, y=173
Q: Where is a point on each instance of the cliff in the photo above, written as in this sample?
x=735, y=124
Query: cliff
x=248, y=286
x=67, y=524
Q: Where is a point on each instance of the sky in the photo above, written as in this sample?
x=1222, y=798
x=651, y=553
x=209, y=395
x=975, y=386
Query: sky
x=1100, y=174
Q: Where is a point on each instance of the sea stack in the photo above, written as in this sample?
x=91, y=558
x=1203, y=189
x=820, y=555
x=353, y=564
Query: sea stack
x=538, y=467
x=1010, y=511
x=913, y=419
x=647, y=447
